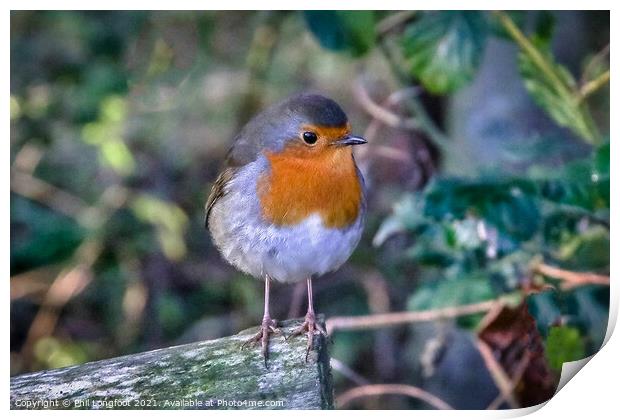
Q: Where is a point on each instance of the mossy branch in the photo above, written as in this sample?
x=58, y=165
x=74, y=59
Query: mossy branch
x=214, y=374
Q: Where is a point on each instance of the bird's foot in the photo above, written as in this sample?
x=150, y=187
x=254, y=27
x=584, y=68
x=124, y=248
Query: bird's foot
x=268, y=326
x=310, y=328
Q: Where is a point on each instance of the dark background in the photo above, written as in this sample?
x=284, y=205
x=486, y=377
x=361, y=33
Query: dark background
x=481, y=166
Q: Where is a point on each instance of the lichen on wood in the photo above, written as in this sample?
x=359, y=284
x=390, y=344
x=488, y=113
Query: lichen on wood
x=215, y=374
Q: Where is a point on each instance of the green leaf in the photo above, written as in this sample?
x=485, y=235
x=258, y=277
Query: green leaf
x=586, y=250
x=591, y=314
x=169, y=220
x=601, y=160
x=545, y=24
x=509, y=206
x=564, y=344
x=39, y=236
x=443, y=49
x=407, y=216
x=343, y=30
x=115, y=154
x=557, y=96
x=584, y=184
x=545, y=308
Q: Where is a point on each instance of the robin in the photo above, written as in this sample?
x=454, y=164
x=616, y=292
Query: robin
x=290, y=202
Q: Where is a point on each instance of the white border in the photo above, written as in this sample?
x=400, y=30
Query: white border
x=592, y=395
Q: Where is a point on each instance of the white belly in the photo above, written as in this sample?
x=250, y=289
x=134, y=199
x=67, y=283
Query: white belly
x=285, y=253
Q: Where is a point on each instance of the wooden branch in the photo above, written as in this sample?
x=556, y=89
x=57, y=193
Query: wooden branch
x=380, y=113
x=500, y=377
x=571, y=278
x=396, y=318
x=35, y=189
x=214, y=374
x=394, y=389
x=516, y=378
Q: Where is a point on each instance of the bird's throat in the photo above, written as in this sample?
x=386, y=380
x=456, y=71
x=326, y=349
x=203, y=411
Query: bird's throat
x=299, y=185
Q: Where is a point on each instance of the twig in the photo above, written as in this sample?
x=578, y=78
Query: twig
x=598, y=57
x=347, y=372
x=516, y=378
x=33, y=284
x=395, y=389
x=490, y=316
x=28, y=158
x=422, y=118
x=531, y=51
x=376, y=288
x=28, y=186
x=380, y=113
x=593, y=85
x=392, y=153
x=500, y=377
x=396, y=318
x=68, y=284
x=393, y=21
x=373, y=127
x=428, y=125
x=72, y=281
x=567, y=93
x=571, y=278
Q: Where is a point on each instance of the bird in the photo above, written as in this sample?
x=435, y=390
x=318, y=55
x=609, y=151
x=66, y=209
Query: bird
x=290, y=202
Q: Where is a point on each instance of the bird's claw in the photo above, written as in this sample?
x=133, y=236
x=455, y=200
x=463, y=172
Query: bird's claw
x=310, y=327
x=268, y=326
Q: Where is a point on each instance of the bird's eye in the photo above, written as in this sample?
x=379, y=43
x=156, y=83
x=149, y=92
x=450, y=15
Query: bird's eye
x=310, y=137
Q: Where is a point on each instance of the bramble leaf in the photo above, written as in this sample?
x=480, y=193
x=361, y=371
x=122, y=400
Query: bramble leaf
x=443, y=49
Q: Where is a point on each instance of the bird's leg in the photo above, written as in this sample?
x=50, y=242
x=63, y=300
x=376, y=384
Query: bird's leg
x=268, y=326
x=309, y=326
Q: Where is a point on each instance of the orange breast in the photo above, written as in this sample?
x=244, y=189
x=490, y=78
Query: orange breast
x=302, y=182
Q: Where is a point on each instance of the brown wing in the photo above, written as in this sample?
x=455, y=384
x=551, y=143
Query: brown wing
x=217, y=192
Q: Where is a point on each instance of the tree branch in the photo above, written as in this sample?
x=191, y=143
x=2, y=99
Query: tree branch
x=28, y=186
x=571, y=278
x=380, y=113
x=396, y=318
x=500, y=377
x=395, y=389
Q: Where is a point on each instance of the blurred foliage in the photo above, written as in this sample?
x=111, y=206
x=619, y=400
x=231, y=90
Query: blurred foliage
x=340, y=30
x=553, y=87
x=478, y=239
x=39, y=236
x=444, y=49
x=564, y=344
x=149, y=101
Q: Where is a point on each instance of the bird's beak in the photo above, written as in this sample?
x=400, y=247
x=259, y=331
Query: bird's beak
x=350, y=141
